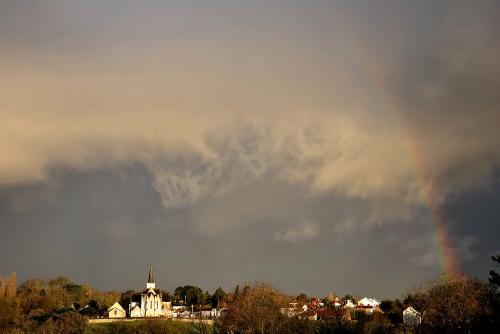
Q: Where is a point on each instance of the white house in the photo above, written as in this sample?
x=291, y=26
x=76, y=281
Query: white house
x=135, y=310
x=116, y=311
x=369, y=305
x=349, y=304
x=368, y=302
x=151, y=303
x=411, y=316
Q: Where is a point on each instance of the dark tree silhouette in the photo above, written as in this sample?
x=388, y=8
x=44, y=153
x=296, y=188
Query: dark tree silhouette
x=494, y=276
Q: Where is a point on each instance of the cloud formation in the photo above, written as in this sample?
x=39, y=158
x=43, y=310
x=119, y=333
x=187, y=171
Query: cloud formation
x=304, y=231
x=308, y=119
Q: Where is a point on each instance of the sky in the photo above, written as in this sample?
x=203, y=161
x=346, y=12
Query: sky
x=308, y=144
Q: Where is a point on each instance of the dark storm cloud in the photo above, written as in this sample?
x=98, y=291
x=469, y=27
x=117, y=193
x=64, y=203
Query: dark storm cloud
x=102, y=227
x=236, y=141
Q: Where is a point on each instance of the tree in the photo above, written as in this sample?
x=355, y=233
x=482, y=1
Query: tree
x=127, y=297
x=258, y=310
x=8, y=286
x=32, y=285
x=67, y=323
x=89, y=311
x=207, y=298
x=32, y=295
x=393, y=309
x=217, y=297
x=494, y=276
x=453, y=304
x=302, y=298
x=192, y=295
x=60, y=280
x=350, y=297
x=166, y=296
x=107, y=298
x=9, y=313
x=236, y=292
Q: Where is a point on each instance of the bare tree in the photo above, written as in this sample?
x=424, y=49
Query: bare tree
x=452, y=304
x=256, y=310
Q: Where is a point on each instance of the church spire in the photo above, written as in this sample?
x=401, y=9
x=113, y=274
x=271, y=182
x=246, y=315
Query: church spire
x=151, y=278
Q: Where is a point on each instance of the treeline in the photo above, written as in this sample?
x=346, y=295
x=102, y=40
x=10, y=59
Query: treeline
x=448, y=303
x=60, y=305
x=49, y=306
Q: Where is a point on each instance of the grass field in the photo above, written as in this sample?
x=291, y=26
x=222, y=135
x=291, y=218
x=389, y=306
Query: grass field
x=142, y=327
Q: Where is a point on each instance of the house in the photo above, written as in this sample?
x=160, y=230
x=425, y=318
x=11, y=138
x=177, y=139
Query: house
x=349, y=304
x=116, y=311
x=368, y=302
x=135, y=310
x=411, y=317
x=369, y=305
x=151, y=303
x=302, y=311
x=337, y=302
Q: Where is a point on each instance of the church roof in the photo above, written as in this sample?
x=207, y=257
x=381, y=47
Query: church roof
x=156, y=290
x=151, y=278
x=116, y=306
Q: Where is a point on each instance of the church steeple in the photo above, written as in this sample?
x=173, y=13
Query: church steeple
x=151, y=278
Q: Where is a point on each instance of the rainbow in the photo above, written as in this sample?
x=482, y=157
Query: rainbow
x=371, y=71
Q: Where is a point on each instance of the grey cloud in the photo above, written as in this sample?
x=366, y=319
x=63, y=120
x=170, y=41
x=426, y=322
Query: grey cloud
x=298, y=123
x=303, y=231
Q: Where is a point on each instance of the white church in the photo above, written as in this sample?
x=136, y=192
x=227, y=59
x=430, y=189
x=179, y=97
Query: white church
x=151, y=303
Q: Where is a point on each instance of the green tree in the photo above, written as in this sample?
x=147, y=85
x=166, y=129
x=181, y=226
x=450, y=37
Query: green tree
x=207, y=298
x=350, y=297
x=218, y=297
x=127, y=297
x=189, y=294
x=166, y=296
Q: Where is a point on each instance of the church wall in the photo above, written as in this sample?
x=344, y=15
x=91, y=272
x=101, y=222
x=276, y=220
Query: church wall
x=116, y=313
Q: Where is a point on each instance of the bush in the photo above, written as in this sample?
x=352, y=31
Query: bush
x=66, y=323
x=89, y=311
